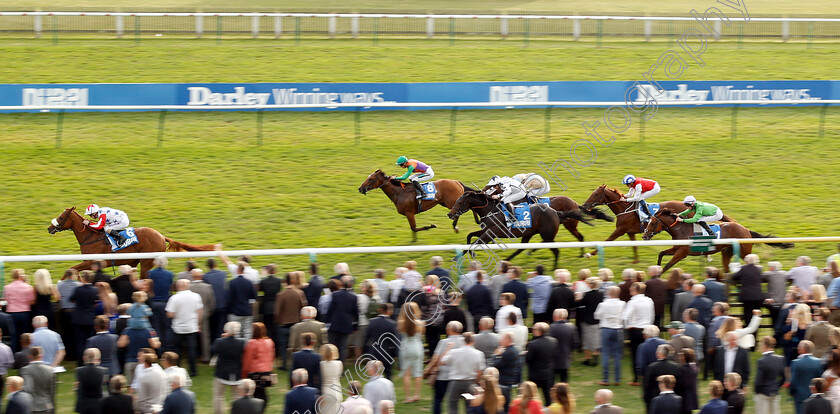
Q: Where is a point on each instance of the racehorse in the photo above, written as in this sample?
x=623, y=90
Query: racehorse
x=666, y=220
x=545, y=221
x=572, y=212
x=404, y=197
x=626, y=213
x=95, y=242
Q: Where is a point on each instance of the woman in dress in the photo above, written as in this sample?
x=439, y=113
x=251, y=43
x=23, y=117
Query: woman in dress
x=528, y=401
x=411, y=330
x=564, y=402
x=45, y=294
x=258, y=360
x=831, y=375
x=331, y=369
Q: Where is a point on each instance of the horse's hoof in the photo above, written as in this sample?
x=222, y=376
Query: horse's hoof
x=457, y=230
x=432, y=226
x=587, y=255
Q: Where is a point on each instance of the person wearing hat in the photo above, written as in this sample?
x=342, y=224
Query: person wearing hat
x=416, y=172
x=640, y=190
x=678, y=339
x=109, y=220
x=704, y=213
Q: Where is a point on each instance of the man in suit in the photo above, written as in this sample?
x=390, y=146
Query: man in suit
x=479, y=298
x=217, y=279
x=382, y=338
x=507, y=361
x=817, y=403
x=287, y=306
x=646, y=354
x=301, y=398
x=308, y=323
x=657, y=290
x=39, y=381
x=678, y=338
x=802, y=370
x=90, y=378
x=309, y=360
x=85, y=297
x=180, y=400
x=241, y=296
x=732, y=358
x=702, y=303
x=561, y=296
x=663, y=366
x=518, y=288
x=106, y=343
x=19, y=401
x=228, y=350
x=682, y=299
x=769, y=377
x=666, y=402
x=733, y=394
x=208, y=300
x=486, y=340
x=246, y=403
x=749, y=277
x=540, y=357
x=720, y=311
x=818, y=332
x=695, y=331
x=603, y=399
x=342, y=317
x=564, y=332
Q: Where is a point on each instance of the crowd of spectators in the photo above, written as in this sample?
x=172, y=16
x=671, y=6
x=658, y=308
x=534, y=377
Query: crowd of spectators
x=492, y=342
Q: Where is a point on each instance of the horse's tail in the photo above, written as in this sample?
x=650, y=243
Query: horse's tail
x=598, y=214
x=574, y=215
x=729, y=220
x=466, y=188
x=176, y=246
x=757, y=235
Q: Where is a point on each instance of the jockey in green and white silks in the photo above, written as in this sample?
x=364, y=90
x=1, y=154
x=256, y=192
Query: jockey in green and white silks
x=704, y=213
x=416, y=172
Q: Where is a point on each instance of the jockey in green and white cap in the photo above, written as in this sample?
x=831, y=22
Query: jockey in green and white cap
x=416, y=172
x=704, y=213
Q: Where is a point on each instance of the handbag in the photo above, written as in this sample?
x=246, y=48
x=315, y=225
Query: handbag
x=263, y=379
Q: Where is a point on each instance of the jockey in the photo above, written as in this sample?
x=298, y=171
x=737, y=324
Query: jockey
x=512, y=190
x=704, y=213
x=416, y=172
x=109, y=220
x=640, y=189
x=535, y=184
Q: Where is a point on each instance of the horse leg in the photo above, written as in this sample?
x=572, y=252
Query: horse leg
x=615, y=234
x=83, y=265
x=571, y=226
x=525, y=239
x=145, y=266
x=455, y=224
x=413, y=223
x=632, y=237
x=477, y=233
x=681, y=253
x=667, y=252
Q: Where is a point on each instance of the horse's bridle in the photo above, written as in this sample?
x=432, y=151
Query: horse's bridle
x=653, y=234
x=59, y=226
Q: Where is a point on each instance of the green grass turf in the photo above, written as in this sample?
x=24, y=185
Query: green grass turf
x=578, y=6
x=103, y=61
x=209, y=182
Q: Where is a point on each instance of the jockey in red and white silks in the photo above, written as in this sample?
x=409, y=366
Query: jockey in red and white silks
x=640, y=190
x=110, y=220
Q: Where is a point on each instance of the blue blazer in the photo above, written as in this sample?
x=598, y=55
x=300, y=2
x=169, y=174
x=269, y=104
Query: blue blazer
x=179, y=402
x=107, y=345
x=20, y=403
x=715, y=406
x=802, y=371
x=311, y=362
x=479, y=301
x=343, y=312
x=666, y=404
x=646, y=354
x=301, y=400
x=84, y=297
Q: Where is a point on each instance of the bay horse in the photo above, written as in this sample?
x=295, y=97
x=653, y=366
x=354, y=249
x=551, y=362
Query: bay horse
x=545, y=221
x=404, y=197
x=572, y=213
x=626, y=214
x=95, y=242
x=666, y=220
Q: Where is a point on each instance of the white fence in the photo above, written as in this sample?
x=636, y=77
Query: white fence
x=354, y=25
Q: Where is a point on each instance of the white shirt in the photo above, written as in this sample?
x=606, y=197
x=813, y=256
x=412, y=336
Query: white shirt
x=520, y=335
x=412, y=279
x=502, y=315
x=185, y=305
x=609, y=313
x=396, y=286
x=250, y=273
x=638, y=312
x=729, y=359
x=803, y=277
x=464, y=363
x=378, y=389
x=172, y=370
x=467, y=280
x=457, y=341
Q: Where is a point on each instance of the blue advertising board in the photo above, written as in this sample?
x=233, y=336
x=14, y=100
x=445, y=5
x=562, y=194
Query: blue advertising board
x=246, y=95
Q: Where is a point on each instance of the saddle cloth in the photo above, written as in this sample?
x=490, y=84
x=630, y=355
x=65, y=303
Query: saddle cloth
x=429, y=191
x=521, y=216
x=653, y=207
x=699, y=231
x=129, y=237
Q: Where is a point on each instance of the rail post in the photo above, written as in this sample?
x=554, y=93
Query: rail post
x=54, y=30
x=259, y=127
x=451, y=31
x=548, y=124
x=59, y=128
x=452, y=121
x=136, y=30
x=601, y=258
x=736, y=253
x=297, y=31
x=599, y=34
x=821, y=129
x=641, y=128
x=357, y=125
x=526, y=32
x=733, y=130
x=375, y=31
x=218, y=30
x=38, y=26
x=161, y=125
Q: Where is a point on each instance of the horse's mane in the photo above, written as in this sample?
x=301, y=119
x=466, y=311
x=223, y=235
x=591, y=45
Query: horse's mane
x=615, y=190
x=665, y=211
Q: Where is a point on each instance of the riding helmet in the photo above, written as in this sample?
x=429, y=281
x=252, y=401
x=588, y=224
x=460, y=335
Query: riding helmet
x=402, y=160
x=629, y=179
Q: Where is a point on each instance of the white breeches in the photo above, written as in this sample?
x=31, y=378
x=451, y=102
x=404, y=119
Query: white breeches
x=121, y=224
x=645, y=195
x=708, y=219
x=422, y=177
x=512, y=194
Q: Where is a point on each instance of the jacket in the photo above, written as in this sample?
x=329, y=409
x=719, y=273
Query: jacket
x=229, y=352
x=587, y=305
x=479, y=301
x=247, y=405
x=561, y=297
x=802, y=370
x=750, y=279
x=740, y=366
x=311, y=362
x=540, y=358
x=382, y=340
x=39, y=382
x=287, y=306
x=769, y=374
x=519, y=289
x=509, y=366
x=564, y=332
x=107, y=345
x=701, y=210
x=89, y=392
x=650, y=388
x=179, y=401
x=666, y=403
x=656, y=290
x=343, y=313
x=301, y=400
x=308, y=325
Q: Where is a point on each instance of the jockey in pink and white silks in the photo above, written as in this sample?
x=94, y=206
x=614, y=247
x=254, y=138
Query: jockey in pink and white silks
x=640, y=190
x=109, y=220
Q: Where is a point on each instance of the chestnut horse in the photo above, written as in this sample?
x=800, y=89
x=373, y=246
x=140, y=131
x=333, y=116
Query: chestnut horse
x=666, y=220
x=95, y=242
x=544, y=221
x=626, y=214
x=572, y=213
x=404, y=197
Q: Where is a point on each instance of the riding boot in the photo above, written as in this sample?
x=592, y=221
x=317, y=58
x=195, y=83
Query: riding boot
x=118, y=240
x=511, y=209
x=644, y=207
x=418, y=188
x=706, y=227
